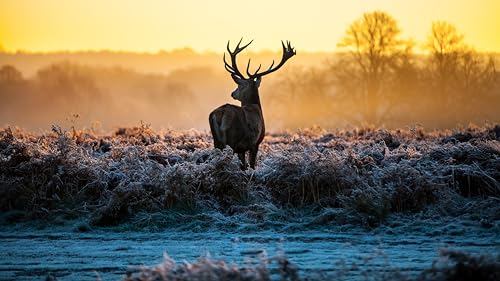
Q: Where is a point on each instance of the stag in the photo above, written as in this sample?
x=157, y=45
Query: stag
x=242, y=127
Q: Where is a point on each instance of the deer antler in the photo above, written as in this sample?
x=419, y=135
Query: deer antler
x=288, y=52
x=233, y=68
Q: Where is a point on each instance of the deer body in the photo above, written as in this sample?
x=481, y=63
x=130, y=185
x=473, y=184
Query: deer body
x=242, y=127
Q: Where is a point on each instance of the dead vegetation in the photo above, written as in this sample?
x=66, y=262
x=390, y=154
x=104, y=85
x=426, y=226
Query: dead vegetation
x=450, y=266
x=355, y=176
x=208, y=269
x=459, y=266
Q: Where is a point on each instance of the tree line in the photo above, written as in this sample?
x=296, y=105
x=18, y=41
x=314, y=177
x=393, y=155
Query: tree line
x=378, y=78
x=375, y=77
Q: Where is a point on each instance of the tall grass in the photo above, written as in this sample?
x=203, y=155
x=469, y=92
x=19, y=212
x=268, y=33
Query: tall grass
x=355, y=176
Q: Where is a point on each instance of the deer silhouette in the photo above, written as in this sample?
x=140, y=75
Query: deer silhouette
x=242, y=127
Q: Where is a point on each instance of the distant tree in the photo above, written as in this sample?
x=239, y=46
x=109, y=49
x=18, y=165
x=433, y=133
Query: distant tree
x=476, y=72
x=9, y=74
x=12, y=86
x=71, y=86
x=445, y=45
x=68, y=80
x=375, y=51
x=459, y=75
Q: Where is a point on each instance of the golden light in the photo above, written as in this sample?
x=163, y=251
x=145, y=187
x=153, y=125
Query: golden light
x=149, y=26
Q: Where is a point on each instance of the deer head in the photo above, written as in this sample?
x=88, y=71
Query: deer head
x=248, y=87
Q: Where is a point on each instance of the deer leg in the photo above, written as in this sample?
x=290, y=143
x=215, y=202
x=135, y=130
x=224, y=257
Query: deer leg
x=253, y=156
x=216, y=131
x=218, y=144
x=243, y=160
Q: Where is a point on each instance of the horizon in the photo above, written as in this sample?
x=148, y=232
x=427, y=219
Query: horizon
x=42, y=27
x=117, y=64
x=189, y=50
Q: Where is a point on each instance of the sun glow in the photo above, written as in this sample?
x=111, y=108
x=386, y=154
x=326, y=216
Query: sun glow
x=206, y=25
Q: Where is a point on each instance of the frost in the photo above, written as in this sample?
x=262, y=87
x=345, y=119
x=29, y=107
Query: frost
x=356, y=176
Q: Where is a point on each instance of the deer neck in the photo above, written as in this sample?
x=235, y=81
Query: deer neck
x=252, y=100
x=253, y=107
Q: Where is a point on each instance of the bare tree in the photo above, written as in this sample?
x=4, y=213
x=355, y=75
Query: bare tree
x=459, y=76
x=445, y=45
x=374, y=49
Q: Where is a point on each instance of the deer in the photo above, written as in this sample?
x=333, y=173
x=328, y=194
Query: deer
x=242, y=127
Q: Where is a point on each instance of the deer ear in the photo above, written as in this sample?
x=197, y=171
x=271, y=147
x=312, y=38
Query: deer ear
x=257, y=81
x=237, y=79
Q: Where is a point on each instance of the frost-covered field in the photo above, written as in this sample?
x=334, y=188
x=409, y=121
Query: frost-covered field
x=406, y=188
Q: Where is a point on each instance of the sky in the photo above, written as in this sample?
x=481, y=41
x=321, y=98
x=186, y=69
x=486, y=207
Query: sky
x=150, y=26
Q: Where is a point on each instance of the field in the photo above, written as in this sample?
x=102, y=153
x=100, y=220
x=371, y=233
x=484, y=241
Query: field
x=379, y=158
x=406, y=186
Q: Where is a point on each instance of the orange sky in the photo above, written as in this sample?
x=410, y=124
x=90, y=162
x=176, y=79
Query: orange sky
x=149, y=26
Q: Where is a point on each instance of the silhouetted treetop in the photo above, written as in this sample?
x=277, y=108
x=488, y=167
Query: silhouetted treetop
x=373, y=39
x=444, y=39
x=9, y=74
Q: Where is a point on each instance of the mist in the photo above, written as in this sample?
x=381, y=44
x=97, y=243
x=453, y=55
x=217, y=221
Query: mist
x=74, y=90
x=374, y=78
